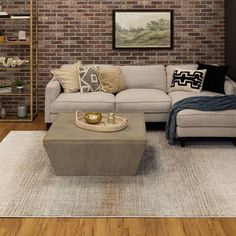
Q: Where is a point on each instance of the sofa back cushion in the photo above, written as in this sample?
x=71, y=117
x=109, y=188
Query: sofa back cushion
x=171, y=68
x=104, y=66
x=150, y=76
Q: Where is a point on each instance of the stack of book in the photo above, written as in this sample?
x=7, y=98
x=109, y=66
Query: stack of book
x=20, y=16
x=4, y=14
x=5, y=89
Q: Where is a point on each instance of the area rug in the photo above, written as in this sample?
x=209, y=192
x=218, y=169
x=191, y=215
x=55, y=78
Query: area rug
x=196, y=181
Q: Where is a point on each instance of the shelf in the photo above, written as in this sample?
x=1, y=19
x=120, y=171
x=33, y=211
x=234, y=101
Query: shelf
x=25, y=16
x=25, y=67
x=15, y=118
x=16, y=93
x=29, y=49
x=16, y=43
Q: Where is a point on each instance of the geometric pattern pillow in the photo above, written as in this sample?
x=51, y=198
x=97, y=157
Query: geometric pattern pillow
x=88, y=79
x=188, y=80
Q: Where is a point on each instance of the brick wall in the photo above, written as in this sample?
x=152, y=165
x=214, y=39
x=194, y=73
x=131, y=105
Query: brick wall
x=72, y=30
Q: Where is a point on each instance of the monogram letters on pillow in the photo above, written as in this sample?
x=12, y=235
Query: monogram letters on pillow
x=188, y=80
x=88, y=79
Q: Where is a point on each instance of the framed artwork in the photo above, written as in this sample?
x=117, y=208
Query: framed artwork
x=142, y=29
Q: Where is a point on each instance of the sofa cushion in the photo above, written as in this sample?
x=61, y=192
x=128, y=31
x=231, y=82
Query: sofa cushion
x=151, y=76
x=143, y=100
x=195, y=118
x=95, y=101
x=179, y=95
x=111, y=80
x=188, y=80
x=67, y=76
x=88, y=79
x=104, y=66
x=171, y=68
x=215, y=77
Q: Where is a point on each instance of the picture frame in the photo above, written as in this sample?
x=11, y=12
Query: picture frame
x=143, y=29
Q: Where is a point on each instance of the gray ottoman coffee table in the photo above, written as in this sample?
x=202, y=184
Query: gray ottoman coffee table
x=75, y=151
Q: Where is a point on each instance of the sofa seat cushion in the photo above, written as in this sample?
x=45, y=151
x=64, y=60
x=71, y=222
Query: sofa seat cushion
x=143, y=100
x=95, y=101
x=179, y=95
x=195, y=118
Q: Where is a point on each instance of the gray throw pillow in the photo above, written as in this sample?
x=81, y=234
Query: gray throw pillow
x=88, y=79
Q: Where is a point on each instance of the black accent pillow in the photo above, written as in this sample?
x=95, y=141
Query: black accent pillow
x=215, y=77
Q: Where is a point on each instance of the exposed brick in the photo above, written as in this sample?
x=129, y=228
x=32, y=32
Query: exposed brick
x=82, y=30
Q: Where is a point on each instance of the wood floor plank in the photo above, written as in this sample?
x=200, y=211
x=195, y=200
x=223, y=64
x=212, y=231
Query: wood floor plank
x=108, y=226
x=117, y=227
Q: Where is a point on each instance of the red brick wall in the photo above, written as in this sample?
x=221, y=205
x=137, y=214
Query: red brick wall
x=72, y=30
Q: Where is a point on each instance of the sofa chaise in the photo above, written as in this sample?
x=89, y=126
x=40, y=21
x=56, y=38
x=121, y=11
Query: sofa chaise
x=147, y=91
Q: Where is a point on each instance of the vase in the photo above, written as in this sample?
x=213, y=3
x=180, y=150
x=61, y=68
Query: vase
x=3, y=113
x=22, y=111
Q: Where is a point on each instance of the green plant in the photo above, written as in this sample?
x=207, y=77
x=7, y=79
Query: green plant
x=1, y=33
x=19, y=83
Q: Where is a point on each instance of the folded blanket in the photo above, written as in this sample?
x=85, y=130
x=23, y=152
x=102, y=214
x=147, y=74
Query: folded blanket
x=201, y=103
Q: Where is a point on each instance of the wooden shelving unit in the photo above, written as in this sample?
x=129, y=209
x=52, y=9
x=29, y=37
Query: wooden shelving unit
x=31, y=47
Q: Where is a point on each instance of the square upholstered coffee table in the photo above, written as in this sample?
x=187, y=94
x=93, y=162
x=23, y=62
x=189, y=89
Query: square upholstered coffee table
x=75, y=151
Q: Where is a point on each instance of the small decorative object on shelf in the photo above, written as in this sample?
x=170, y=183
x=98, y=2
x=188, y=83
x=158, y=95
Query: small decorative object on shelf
x=3, y=113
x=22, y=110
x=3, y=14
x=12, y=38
x=1, y=36
x=12, y=62
x=22, y=35
x=5, y=88
x=93, y=117
x=19, y=84
x=111, y=118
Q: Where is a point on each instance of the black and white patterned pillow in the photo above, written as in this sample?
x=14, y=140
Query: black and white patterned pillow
x=188, y=80
x=88, y=79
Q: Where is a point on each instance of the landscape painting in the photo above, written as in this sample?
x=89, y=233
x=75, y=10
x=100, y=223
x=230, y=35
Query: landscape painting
x=142, y=29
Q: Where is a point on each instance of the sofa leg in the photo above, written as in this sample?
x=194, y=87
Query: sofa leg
x=182, y=142
x=48, y=125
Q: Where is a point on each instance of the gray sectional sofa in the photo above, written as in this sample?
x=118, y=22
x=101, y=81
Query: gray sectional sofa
x=147, y=91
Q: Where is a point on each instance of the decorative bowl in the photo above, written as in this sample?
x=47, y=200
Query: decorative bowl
x=93, y=117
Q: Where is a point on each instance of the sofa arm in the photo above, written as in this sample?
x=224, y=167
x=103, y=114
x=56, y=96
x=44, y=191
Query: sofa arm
x=52, y=91
x=230, y=86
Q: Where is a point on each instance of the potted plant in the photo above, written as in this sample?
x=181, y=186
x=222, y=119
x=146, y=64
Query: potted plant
x=19, y=84
x=1, y=36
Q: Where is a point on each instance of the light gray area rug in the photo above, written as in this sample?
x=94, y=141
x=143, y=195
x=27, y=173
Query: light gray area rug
x=196, y=181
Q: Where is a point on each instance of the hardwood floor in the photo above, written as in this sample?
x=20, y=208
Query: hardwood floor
x=117, y=226
x=109, y=226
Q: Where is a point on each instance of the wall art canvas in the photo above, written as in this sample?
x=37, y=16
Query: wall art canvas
x=142, y=29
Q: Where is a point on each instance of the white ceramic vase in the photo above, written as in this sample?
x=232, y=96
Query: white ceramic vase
x=3, y=113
